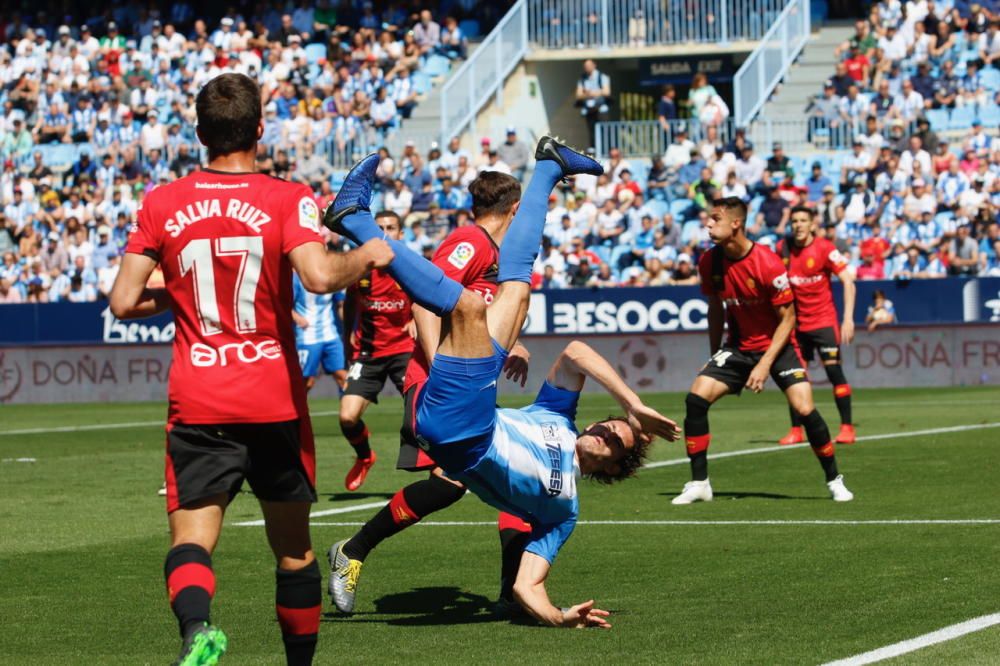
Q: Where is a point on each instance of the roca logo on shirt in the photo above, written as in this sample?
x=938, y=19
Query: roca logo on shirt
x=461, y=255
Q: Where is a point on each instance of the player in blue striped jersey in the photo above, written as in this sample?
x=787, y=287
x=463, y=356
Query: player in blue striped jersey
x=318, y=333
x=523, y=461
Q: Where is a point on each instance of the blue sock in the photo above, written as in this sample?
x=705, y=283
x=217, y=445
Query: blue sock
x=362, y=225
x=524, y=238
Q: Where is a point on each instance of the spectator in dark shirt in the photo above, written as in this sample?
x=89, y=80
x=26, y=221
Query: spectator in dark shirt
x=923, y=82
x=666, y=108
x=779, y=162
x=842, y=80
x=816, y=183
x=659, y=180
x=772, y=217
x=946, y=86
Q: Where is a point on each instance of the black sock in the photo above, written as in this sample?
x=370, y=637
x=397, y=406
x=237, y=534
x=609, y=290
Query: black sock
x=190, y=584
x=298, y=600
x=406, y=507
x=357, y=437
x=841, y=392
x=514, y=536
x=696, y=435
x=796, y=421
x=819, y=440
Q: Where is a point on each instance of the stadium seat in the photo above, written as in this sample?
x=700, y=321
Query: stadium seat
x=601, y=251
x=421, y=82
x=436, y=65
x=314, y=52
x=470, y=28
x=938, y=118
x=640, y=171
x=657, y=208
x=990, y=115
x=678, y=207
x=962, y=117
x=990, y=78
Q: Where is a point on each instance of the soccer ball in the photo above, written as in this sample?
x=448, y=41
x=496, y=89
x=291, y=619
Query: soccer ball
x=640, y=361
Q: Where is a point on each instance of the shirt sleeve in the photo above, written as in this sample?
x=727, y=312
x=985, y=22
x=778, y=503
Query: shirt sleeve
x=558, y=400
x=705, y=272
x=778, y=288
x=835, y=261
x=146, y=235
x=299, y=220
x=461, y=260
x=546, y=540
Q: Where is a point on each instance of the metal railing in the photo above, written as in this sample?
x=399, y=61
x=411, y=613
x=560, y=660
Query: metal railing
x=557, y=24
x=646, y=138
x=767, y=65
x=483, y=74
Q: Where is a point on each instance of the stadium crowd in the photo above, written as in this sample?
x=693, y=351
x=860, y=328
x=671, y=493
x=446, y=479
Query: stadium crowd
x=901, y=196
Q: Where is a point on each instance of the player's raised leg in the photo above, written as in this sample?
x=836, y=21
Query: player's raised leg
x=298, y=596
x=705, y=391
x=800, y=399
x=191, y=579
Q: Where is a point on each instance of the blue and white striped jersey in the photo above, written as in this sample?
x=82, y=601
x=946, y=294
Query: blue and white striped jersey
x=320, y=310
x=531, y=469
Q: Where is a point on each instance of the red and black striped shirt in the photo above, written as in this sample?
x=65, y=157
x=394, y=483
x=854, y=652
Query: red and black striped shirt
x=378, y=310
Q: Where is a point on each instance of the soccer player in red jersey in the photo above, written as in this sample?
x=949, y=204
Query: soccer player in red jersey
x=811, y=261
x=470, y=256
x=747, y=287
x=377, y=312
x=227, y=239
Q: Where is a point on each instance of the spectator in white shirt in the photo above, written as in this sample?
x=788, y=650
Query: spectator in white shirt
x=399, y=199
x=909, y=103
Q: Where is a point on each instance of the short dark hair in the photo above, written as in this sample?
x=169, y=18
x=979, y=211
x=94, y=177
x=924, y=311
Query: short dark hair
x=494, y=193
x=733, y=205
x=801, y=209
x=229, y=112
x=631, y=462
x=389, y=213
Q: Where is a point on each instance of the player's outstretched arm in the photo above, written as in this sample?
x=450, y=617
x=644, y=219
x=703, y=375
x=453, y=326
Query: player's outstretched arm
x=129, y=298
x=529, y=590
x=579, y=361
x=323, y=272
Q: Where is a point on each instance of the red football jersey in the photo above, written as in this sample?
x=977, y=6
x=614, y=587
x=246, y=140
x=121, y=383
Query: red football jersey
x=809, y=271
x=379, y=311
x=222, y=241
x=750, y=288
x=469, y=256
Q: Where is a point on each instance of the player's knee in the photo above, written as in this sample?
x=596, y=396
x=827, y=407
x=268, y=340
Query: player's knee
x=349, y=423
x=835, y=373
x=696, y=406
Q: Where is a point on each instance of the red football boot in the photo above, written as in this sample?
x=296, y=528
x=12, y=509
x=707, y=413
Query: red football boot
x=356, y=476
x=794, y=436
x=846, y=434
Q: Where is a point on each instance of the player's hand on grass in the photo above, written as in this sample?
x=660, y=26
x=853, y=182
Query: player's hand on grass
x=516, y=365
x=585, y=615
x=379, y=253
x=757, y=378
x=847, y=332
x=651, y=422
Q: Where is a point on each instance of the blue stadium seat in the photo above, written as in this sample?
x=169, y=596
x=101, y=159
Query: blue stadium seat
x=990, y=115
x=657, y=208
x=938, y=118
x=990, y=78
x=601, y=251
x=679, y=206
x=436, y=65
x=640, y=171
x=469, y=28
x=314, y=52
x=421, y=82
x=962, y=117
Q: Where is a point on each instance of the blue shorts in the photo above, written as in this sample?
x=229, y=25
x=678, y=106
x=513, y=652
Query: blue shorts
x=328, y=354
x=457, y=409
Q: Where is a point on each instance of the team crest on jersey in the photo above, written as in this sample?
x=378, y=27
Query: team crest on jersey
x=461, y=255
x=364, y=282
x=751, y=283
x=810, y=262
x=309, y=214
x=781, y=282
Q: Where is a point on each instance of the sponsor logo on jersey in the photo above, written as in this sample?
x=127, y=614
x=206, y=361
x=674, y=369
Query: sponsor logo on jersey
x=781, y=282
x=799, y=280
x=385, y=306
x=798, y=373
x=205, y=356
x=220, y=186
x=309, y=214
x=461, y=255
x=550, y=433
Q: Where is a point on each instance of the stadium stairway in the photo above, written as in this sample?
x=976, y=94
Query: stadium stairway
x=805, y=78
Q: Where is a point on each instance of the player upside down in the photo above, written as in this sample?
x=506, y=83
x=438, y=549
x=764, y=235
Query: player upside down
x=523, y=461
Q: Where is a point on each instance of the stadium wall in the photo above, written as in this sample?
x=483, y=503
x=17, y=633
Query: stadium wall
x=899, y=356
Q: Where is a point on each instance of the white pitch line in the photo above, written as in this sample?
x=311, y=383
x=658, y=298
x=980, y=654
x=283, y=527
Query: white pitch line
x=107, y=426
x=675, y=461
x=863, y=438
x=698, y=523
x=903, y=647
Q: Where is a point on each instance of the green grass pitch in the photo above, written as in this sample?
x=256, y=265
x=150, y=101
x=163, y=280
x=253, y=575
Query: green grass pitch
x=83, y=535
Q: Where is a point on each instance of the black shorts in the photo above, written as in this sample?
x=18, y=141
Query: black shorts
x=277, y=459
x=412, y=458
x=367, y=376
x=732, y=367
x=826, y=341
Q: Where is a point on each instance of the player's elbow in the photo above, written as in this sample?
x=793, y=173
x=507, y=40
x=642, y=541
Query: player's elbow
x=119, y=304
x=313, y=280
